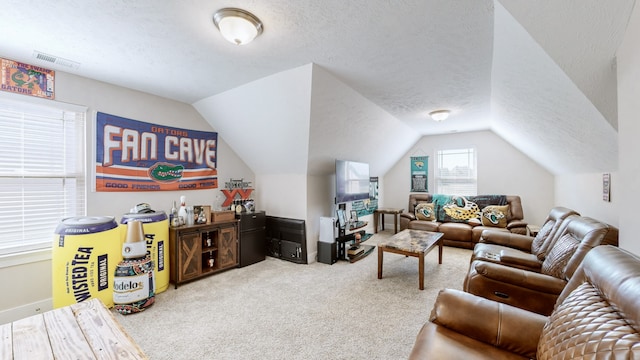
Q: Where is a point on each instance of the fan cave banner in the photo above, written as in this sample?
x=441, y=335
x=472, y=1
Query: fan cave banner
x=419, y=167
x=133, y=155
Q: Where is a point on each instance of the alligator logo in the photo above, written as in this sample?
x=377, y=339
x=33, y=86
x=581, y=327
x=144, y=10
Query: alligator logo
x=165, y=172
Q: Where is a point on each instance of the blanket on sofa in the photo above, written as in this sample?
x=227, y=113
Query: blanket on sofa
x=458, y=208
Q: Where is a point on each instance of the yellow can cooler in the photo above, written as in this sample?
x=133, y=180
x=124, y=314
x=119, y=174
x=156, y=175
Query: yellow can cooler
x=156, y=233
x=85, y=253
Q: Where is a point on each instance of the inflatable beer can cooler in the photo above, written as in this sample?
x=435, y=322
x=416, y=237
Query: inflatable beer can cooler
x=85, y=253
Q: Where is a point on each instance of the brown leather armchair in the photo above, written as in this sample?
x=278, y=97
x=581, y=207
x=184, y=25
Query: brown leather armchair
x=597, y=316
x=521, y=251
x=538, y=291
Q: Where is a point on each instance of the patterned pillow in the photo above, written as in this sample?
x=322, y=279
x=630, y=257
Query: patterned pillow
x=559, y=256
x=495, y=216
x=424, y=211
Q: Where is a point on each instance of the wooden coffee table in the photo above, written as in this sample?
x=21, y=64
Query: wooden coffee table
x=414, y=243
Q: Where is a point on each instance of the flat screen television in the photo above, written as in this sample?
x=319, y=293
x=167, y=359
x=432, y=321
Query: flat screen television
x=352, y=181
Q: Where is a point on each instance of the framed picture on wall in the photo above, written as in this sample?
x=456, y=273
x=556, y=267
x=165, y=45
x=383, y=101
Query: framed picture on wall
x=419, y=172
x=202, y=214
x=342, y=218
x=354, y=216
x=606, y=187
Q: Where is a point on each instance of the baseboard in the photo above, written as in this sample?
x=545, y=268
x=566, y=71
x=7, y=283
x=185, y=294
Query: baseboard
x=313, y=257
x=23, y=311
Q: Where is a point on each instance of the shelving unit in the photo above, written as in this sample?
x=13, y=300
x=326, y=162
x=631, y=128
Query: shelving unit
x=203, y=249
x=348, y=239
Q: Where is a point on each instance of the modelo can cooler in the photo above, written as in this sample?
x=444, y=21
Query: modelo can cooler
x=85, y=253
x=156, y=233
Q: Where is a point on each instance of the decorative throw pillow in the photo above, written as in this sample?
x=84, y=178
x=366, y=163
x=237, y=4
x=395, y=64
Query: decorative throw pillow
x=494, y=215
x=424, y=211
x=559, y=256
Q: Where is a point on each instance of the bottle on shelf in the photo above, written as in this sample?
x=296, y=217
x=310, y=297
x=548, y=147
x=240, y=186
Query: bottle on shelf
x=190, y=216
x=211, y=260
x=182, y=213
x=173, y=216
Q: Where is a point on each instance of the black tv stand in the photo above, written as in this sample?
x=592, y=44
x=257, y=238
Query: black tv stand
x=350, y=239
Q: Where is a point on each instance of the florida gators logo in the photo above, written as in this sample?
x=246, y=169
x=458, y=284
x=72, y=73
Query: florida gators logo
x=165, y=172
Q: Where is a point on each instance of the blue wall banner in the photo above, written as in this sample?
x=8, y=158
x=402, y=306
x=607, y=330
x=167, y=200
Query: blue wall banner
x=364, y=207
x=419, y=173
x=133, y=155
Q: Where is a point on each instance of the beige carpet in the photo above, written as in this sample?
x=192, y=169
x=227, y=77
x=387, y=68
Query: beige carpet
x=276, y=309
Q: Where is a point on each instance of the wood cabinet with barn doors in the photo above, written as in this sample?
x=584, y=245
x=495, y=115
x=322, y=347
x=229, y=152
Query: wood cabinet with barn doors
x=202, y=249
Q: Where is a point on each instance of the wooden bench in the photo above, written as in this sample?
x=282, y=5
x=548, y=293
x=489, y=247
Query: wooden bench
x=86, y=330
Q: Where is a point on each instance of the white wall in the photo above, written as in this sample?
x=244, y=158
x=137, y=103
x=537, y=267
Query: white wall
x=583, y=193
x=272, y=134
x=266, y=121
x=283, y=195
x=99, y=96
x=33, y=279
x=502, y=169
x=628, y=132
x=319, y=204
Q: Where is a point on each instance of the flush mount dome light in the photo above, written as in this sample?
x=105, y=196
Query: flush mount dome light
x=237, y=26
x=439, y=115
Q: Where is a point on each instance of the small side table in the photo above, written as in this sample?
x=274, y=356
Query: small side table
x=381, y=212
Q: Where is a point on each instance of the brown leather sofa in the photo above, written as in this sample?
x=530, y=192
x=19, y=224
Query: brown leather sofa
x=538, y=291
x=458, y=234
x=597, y=316
x=521, y=251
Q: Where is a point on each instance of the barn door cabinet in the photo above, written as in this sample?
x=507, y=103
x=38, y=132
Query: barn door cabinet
x=199, y=250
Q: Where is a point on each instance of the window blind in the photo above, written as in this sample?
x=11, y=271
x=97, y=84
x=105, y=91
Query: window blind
x=456, y=172
x=42, y=172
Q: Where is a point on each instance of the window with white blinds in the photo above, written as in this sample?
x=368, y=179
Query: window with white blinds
x=456, y=172
x=42, y=171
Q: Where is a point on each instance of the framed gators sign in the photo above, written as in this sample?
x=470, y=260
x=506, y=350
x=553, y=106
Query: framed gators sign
x=21, y=78
x=133, y=155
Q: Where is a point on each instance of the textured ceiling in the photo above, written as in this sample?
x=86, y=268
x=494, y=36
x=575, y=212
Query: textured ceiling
x=406, y=57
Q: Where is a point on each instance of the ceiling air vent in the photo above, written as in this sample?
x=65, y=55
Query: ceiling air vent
x=55, y=60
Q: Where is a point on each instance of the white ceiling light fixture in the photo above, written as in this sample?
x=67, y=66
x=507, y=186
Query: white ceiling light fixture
x=439, y=115
x=237, y=26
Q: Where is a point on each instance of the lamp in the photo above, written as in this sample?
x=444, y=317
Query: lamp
x=237, y=26
x=439, y=115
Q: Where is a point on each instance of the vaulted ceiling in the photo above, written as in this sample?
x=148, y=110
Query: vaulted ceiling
x=539, y=73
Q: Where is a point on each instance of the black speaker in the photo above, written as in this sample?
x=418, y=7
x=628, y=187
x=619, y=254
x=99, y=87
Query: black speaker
x=327, y=252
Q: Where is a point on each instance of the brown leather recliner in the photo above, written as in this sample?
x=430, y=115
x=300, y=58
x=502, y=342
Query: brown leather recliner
x=521, y=251
x=597, y=316
x=538, y=291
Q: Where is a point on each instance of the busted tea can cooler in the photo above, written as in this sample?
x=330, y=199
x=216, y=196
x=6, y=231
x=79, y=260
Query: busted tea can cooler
x=85, y=253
